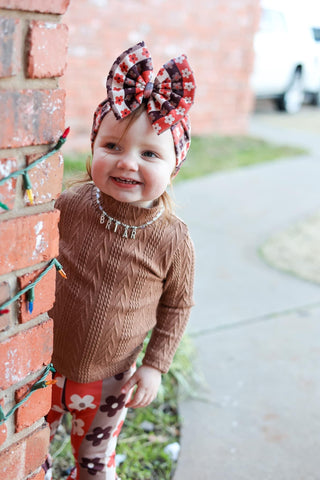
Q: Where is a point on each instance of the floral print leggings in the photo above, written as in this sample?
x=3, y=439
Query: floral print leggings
x=98, y=412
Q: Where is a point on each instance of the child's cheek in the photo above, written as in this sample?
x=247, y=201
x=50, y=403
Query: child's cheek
x=98, y=168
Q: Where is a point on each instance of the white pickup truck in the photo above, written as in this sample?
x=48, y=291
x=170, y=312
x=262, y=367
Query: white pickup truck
x=287, y=59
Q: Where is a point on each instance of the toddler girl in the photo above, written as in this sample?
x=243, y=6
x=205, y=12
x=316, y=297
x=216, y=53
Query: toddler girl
x=129, y=260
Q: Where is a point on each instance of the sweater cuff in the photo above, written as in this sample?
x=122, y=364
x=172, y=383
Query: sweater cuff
x=161, y=366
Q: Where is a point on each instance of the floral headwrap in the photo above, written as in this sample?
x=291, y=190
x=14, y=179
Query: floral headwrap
x=168, y=97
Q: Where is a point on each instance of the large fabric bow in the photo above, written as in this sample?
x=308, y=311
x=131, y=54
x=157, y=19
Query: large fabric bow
x=169, y=96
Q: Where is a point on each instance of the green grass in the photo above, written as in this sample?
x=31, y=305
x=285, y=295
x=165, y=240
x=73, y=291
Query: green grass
x=211, y=154
x=144, y=450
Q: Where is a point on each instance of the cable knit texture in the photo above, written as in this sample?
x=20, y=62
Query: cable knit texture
x=118, y=288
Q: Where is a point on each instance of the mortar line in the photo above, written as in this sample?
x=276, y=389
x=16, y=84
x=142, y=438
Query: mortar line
x=250, y=321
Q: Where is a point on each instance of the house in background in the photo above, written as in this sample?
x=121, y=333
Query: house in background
x=216, y=35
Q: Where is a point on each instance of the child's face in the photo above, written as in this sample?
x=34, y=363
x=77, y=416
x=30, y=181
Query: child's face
x=132, y=164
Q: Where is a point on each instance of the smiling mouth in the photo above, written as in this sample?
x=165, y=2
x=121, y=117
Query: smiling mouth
x=126, y=181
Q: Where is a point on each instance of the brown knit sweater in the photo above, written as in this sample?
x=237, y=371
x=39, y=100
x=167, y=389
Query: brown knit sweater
x=118, y=288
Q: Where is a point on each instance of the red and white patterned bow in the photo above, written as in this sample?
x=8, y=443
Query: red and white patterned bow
x=169, y=96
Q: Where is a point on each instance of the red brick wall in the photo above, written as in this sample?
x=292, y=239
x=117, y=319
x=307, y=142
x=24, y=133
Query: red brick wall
x=33, y=47
x=217, y=36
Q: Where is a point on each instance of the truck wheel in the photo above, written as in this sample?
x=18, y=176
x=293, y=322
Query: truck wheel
x=316, y=99
x=291, y=101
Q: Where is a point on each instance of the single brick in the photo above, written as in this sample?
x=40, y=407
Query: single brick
x=44, y=293
x=37, y=405
x=9, y=36
x=42, y=6
x=24, y=353
x=46, y=178
x=31, y=117
x=47, y=55
x=26, y=456
x=26, y=241
x=4, y=296
x=8, y=189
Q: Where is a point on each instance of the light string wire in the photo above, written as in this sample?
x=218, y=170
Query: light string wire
x=24, y=171
x=41, y=383
x=54, y=263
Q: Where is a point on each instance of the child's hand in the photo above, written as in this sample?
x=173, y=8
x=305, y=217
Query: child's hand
x=148, y=380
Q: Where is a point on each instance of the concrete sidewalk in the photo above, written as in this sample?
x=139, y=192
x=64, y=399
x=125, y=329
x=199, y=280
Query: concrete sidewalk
x=256, y=329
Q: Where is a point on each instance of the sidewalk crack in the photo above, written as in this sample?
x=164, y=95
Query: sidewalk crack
x=301, y=311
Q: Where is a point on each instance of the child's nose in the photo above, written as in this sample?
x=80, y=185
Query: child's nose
x=128, y=162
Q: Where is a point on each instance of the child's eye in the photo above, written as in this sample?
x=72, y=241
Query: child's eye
x=112, y=146
x=149, y=154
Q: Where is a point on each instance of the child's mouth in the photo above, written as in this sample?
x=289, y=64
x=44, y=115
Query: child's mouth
x=126, y=181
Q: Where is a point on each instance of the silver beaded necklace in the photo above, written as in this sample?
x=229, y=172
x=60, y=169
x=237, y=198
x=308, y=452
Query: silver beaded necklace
x=132, y=229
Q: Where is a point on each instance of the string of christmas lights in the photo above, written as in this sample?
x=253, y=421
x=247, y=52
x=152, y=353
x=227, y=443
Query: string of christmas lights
x=41, y=383
x=24, y=171
x=29, y=289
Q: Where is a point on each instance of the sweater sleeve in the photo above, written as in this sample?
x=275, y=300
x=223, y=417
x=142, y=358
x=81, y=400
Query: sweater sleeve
x=174, y=308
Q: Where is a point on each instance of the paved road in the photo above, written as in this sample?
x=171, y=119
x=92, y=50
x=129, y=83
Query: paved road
x=256, y=329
